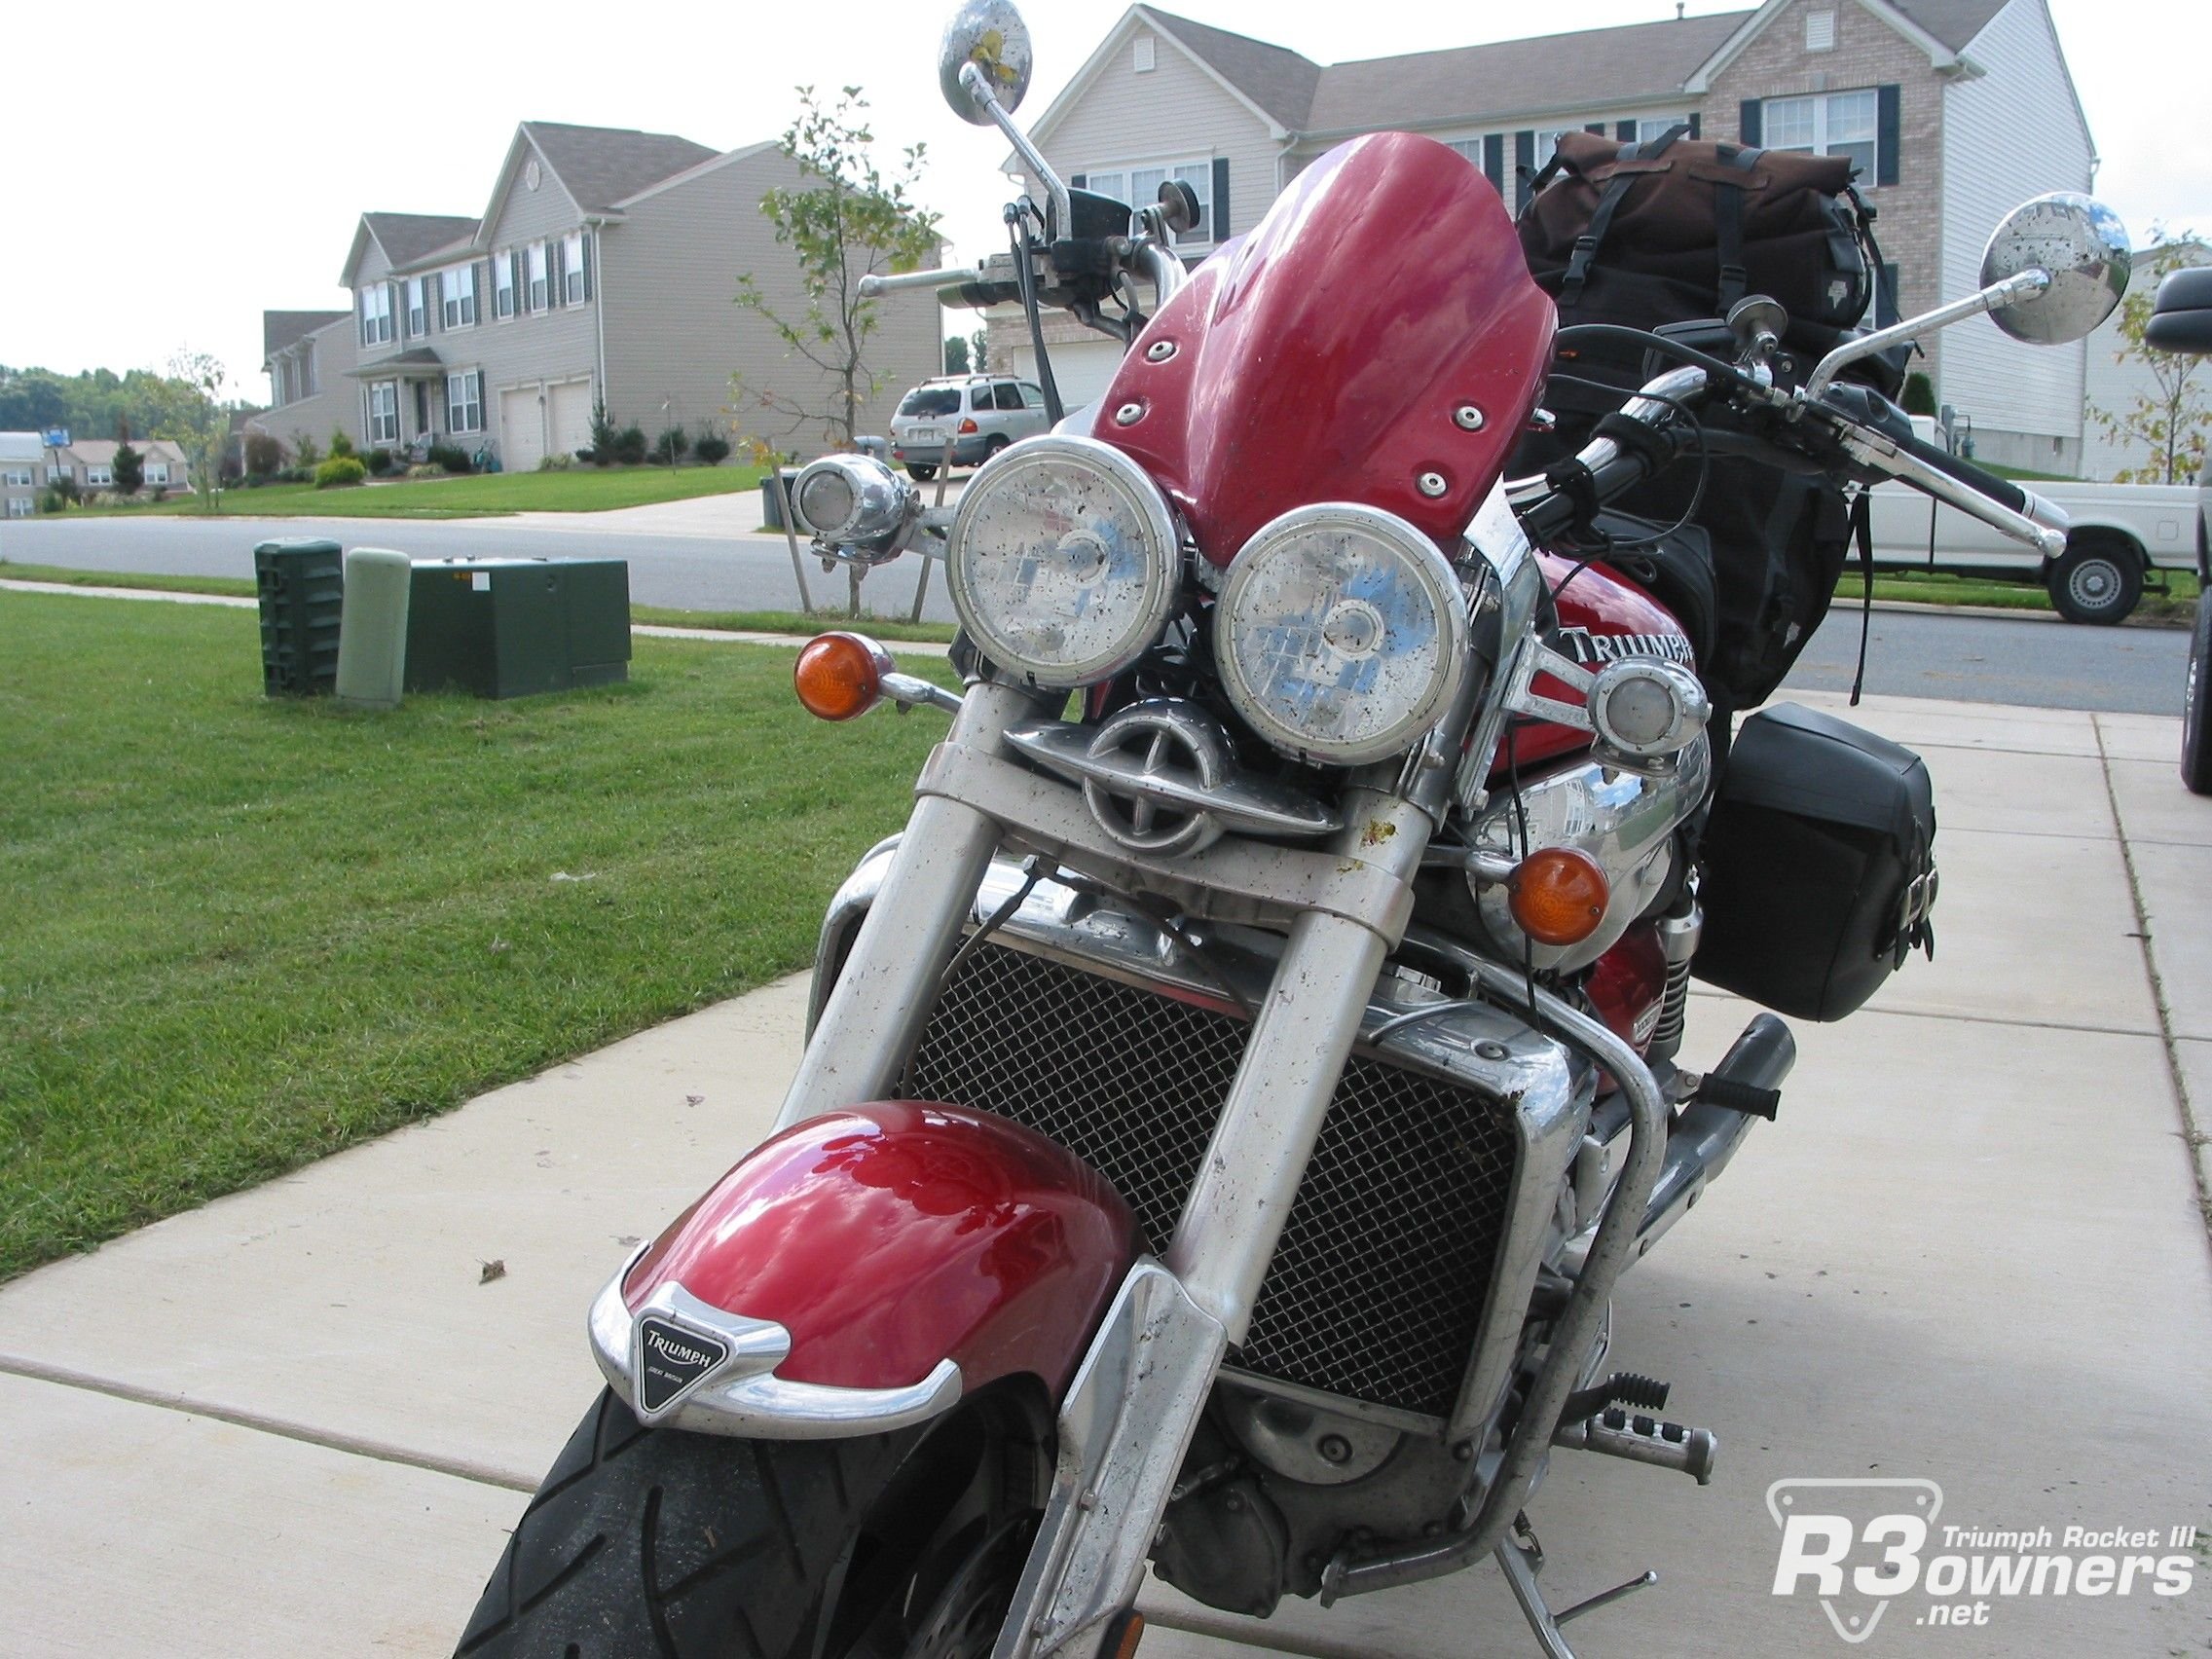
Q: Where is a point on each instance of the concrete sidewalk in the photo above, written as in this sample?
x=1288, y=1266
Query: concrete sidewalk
x=299, y=1420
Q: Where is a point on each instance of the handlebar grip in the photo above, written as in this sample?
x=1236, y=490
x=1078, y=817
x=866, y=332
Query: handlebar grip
x=2002, y=490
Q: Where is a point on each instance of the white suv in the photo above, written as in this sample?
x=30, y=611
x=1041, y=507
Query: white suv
x=974, y=416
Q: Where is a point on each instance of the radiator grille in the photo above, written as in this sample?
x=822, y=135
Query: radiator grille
x=1378, y=1286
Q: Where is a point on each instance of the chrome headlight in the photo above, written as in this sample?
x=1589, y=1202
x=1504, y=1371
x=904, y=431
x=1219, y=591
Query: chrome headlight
x=856, y=500
x=1061, y=560
x=1340, y=634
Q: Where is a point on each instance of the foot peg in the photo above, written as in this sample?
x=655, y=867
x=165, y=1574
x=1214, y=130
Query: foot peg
x=1645, y=1439
x=1521, y=1558
x=1622, y=1388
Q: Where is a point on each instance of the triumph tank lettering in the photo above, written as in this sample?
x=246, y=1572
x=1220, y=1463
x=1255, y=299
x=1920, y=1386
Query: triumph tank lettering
x=674, y=1351
x=1587, y=648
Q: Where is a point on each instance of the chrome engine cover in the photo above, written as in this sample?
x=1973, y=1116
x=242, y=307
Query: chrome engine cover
x=1624, y=816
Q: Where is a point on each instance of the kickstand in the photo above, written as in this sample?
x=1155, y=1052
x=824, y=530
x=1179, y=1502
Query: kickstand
x=1521, y=1558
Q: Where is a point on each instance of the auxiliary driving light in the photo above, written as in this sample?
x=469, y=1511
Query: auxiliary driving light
x=840, y=676
x=853, y=499
x=1558, y=895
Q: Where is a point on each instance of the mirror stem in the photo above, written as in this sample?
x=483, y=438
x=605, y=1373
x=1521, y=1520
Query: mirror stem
x=979, y=89
x=1996, y=297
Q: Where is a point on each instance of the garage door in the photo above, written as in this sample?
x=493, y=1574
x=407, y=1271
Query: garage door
x=570, y=417
x=522, y=430
x=1083, y=368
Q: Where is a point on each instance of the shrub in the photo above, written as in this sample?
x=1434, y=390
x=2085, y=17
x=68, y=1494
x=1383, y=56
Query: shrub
x=338, y=471
x=65, y=487
x=263, y=454
x=589, y=457
x=129, y=470
x=340, y=444
x=53, y=500
x=672, y=446
x=555, y=462
x=451, y=456
x=712, y=450
x=1919, y=393
x=157, y=494
x=307, y=451
x=630, y=446
x=426, y=470
x=603, y=434
x=379, y=461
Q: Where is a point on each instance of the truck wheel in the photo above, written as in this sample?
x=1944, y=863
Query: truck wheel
x=2098, y=580
x=2196, y=704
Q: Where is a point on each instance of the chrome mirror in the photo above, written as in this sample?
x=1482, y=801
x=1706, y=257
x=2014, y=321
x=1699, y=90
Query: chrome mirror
x=2081, y=244
x=991, y=36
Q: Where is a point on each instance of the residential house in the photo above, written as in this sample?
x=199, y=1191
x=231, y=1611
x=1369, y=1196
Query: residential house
x=605, y=268
x=21, y=454
x=308, y=356
x=90, y=463
x=2115, y=384
x=1955, y=110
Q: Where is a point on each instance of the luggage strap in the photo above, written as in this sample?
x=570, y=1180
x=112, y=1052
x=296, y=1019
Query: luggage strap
x=1863, y=530
x=1728, y=226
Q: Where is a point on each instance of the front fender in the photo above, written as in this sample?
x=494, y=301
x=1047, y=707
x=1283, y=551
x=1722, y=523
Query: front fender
x=864, y=1269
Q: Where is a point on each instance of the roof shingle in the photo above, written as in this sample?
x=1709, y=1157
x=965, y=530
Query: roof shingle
x=280, y=328
x=600, y=165
x=406, y=237
x=1278, y=80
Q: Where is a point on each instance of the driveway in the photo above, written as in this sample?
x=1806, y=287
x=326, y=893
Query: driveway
x=1970, y=1252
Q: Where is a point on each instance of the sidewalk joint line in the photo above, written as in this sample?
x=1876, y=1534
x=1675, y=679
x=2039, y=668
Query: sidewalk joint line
x=360, y=1446
x=2195, y=1143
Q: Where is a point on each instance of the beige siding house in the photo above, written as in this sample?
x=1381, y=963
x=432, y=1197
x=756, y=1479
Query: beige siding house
x=605, y=268
x=90, y=463
x=22, y=455
x=307, y=355
x=1954, y=109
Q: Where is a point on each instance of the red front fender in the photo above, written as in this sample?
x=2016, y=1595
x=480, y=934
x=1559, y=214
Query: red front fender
x=900, y=1233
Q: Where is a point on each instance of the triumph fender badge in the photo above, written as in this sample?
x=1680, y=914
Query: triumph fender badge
x=671, y=1360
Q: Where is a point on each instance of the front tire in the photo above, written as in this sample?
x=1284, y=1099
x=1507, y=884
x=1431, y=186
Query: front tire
x=920, y=473
x=661, y=1544
x=2196, y=704
x=2096, y=580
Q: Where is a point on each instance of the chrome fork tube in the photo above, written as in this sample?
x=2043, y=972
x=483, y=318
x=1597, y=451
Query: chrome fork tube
x=1301, y=1039
x=875, y=1014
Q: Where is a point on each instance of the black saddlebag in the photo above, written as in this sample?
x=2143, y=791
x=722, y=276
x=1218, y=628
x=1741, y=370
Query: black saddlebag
x=1820, y=863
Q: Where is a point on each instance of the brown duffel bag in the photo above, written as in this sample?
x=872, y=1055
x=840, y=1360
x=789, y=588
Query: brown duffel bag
x=1680, y=228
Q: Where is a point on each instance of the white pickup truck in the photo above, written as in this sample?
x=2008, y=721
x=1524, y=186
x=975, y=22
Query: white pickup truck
x=2120, y=533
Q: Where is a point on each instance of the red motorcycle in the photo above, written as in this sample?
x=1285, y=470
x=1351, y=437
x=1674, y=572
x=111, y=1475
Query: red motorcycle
x=1230, y=1103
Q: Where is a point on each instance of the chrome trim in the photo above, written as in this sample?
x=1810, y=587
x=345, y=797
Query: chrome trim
x=874, y=286
x=1688, y=707
x=1512, y=591
x=978, y=87
x=881, y=515
x=1622, y=815
x=911, y=691
x=1123, y=1428
x=1245, y=805
x=1163, y=267
x=743, y=1395
x=1998, y=295
x=2044, y=526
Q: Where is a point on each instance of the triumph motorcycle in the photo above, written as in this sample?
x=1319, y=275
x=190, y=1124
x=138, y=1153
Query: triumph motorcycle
x=1231, y=1102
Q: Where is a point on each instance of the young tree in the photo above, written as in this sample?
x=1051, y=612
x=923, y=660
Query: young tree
x=190, y=414
x=956, y=355
x=979, y=350
x=129, y=469
x=847, y=220
x=2170, y=421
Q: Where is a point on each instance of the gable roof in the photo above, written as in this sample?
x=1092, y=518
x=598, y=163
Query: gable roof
x=600, y=165
x=1954, y=22
x=1280, y=81
x=1942, y=28
x=1623, y=64
x=406, y=237
x=281, y=328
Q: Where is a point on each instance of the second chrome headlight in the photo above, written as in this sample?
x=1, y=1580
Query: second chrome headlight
x=1340, y=634
x=1061, y=560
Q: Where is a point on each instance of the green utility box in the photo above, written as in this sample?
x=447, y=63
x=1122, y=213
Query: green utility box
x=516, y=627
x=772, y=499
x=302, y=585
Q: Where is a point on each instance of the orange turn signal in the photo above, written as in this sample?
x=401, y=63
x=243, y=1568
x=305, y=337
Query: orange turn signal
x=1558, y=895
x=840, y=676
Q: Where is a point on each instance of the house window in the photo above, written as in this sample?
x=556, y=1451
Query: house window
x=17, y=478
x=539, y=294
x=19, y=506
x=573, y=267
x=383, y=412
x=376, y=315
x=503, y=284
x=99, y=477
x=1140, y=188
x=157, y=472
x=1649, y=128
x=459, y=286
x=1833, y=124
x=58, y=474
x=1820, y=31
x=464, y=402
x=418, y=315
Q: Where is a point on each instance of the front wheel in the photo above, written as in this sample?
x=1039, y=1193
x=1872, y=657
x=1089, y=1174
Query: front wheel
x=654, y=1543
x=919, y=472
x=2196, y=704
x=2096, y=580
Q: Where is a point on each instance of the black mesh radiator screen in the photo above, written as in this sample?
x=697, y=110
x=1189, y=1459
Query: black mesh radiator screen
x=1378, y=1286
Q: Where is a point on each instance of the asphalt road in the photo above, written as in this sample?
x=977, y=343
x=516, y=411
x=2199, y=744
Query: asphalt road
x=1909, y=654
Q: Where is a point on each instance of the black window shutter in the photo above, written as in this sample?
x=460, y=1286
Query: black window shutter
x=1625, y=132
x=1597, y=127
x=433, y=300
x=1888, y=123
x=1494, y=159
x=1886, y=296
x=590, y=258
x=1221, y=199
x=1525, y=151
x=1079, y=182
x=1748, y=124
x=1694, y=126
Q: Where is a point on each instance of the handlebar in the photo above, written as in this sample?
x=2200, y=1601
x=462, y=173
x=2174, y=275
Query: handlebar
x=872, y=286
x=2002, y=490
x=1998, y=502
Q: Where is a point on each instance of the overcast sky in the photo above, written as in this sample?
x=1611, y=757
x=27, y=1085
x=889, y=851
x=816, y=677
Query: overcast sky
x=173, y=178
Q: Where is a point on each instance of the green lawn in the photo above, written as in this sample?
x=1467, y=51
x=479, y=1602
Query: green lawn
x=1922, y=588
x=576, y=489
x=237, y=934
